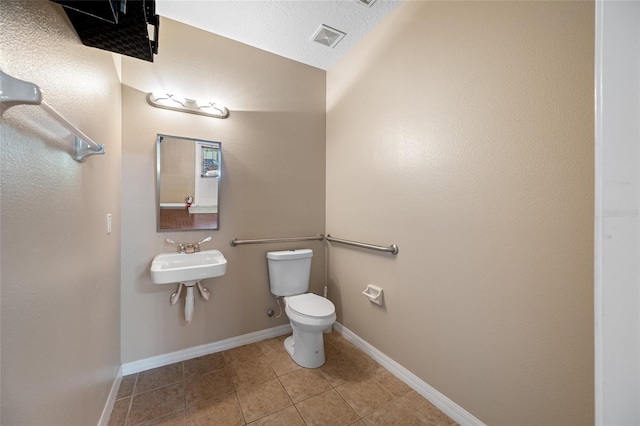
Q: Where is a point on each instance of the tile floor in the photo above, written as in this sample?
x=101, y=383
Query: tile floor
x=259, y=384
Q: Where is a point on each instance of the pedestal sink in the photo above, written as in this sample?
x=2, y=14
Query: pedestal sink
x=188, y=269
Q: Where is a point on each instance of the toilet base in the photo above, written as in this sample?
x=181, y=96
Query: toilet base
x=306, y=348
x=288, y=345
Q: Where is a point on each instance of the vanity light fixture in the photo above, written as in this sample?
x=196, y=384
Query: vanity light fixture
x=176, y=103
x=167, y=99
x=210, y=108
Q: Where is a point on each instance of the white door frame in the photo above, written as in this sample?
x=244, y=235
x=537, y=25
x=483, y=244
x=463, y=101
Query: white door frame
x=208, y=191
x=617, y=204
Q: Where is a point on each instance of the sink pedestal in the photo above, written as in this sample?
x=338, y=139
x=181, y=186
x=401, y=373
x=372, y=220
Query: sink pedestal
x=189, y=300
x=189, y=303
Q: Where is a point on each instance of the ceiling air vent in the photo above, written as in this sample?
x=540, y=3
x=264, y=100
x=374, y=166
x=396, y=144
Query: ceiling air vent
x=327, y=36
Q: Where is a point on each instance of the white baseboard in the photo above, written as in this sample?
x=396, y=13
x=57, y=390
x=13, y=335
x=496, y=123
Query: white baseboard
x=206, y=349
x=111, y=400
x=447, y=406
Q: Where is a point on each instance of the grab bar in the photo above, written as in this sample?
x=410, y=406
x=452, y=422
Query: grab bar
x=18, y=92
x=393, y=249
x=235, y=242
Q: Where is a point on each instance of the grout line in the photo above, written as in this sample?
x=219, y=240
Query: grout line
x=159, y=417
x=348, y=405
x=410, y=409
x=299, y=413
x=244, y=419
x=133, y=391
x=184, y=391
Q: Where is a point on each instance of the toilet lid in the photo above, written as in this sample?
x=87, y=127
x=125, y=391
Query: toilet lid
x=311, y=305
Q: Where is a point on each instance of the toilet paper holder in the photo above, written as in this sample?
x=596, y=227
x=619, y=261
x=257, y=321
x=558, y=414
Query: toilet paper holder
x=374, y=294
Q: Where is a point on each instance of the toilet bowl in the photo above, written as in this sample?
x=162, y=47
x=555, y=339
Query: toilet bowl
x=309, y=315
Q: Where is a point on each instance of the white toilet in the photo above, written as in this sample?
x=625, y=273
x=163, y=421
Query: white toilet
x=289, y=273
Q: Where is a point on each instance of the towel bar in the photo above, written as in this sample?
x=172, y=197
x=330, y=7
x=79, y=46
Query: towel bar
x=18, y=92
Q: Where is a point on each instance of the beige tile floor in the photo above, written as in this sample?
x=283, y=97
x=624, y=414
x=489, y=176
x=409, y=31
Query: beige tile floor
x=259, y=384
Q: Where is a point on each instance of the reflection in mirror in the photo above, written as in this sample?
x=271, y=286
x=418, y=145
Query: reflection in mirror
x=188, y=177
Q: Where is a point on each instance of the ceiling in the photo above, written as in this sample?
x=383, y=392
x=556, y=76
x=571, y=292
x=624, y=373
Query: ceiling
x=283, y=27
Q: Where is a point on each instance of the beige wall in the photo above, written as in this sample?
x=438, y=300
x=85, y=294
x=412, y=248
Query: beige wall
x=60, y=271
x=460, y=131
x=273, y=151
x=176, y=171
x=463, y=132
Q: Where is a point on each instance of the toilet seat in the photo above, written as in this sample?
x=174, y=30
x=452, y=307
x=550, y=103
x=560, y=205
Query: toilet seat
x=310, y=305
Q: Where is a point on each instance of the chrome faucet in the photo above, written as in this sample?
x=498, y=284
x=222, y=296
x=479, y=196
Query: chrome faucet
x=179, y=245
x=197, y=245
x=190, y=247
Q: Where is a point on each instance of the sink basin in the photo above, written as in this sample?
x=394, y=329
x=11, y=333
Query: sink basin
x=170, y=268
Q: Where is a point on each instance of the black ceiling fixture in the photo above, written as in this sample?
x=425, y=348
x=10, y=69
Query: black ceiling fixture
x=118, y=26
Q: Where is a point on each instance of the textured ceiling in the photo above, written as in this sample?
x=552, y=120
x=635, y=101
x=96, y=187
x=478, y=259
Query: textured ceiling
x=282, y=27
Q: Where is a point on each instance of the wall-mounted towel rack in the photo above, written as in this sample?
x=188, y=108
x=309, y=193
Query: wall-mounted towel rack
x=235, y=242
x=19, y=92
x=393, y=249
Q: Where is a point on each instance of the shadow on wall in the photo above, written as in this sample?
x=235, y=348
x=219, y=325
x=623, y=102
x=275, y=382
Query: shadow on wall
x=336, y=288
x=32, y=121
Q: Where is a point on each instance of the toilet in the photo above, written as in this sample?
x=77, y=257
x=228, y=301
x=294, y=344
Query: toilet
x=310, y=314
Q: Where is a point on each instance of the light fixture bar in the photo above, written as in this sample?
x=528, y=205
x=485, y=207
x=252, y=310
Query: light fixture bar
x=176, y=103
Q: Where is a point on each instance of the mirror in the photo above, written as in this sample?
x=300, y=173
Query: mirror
x=188, y=177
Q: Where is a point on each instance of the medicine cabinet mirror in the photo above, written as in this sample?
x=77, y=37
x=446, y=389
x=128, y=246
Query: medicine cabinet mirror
x=188, y=178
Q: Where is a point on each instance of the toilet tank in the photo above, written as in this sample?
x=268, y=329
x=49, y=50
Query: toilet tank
x=289, y=271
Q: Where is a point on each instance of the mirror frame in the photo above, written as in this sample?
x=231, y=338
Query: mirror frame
x=158, y=181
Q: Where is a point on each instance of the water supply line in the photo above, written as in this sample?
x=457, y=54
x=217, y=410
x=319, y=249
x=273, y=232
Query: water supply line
x=279, y=308
x=270, y=312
